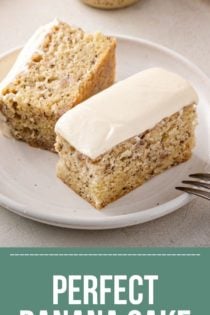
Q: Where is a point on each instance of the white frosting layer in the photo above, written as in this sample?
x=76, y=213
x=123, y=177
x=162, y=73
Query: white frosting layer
x=124, y=110
x=31, y=47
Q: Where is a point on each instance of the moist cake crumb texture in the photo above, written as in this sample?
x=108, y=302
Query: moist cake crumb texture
x=69, y=66
x=130, y=163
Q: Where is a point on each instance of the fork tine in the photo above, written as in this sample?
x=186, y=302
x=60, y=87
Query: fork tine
x=197, y=183
x=201, y=176
x=197, y=192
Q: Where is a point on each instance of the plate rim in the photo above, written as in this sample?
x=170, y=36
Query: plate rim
x=122, y=220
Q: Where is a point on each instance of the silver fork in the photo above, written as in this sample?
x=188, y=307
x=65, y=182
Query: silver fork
x=203, y=181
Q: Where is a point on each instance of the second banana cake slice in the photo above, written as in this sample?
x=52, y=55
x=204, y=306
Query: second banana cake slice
x=59, y=67
x=121, y=137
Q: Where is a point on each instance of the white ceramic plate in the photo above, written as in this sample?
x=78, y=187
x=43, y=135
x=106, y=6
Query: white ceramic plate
x=28, y=184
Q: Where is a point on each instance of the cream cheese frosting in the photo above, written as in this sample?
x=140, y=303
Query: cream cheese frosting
x=124, y=110
x=31, y=47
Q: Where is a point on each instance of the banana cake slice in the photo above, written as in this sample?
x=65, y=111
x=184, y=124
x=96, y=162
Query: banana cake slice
x=59, y=67
x=116, y=140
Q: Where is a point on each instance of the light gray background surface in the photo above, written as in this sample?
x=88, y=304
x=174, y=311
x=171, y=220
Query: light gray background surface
x=182, y=25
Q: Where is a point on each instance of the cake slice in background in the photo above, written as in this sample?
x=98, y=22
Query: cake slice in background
x=59, y=67
x=121, y=137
